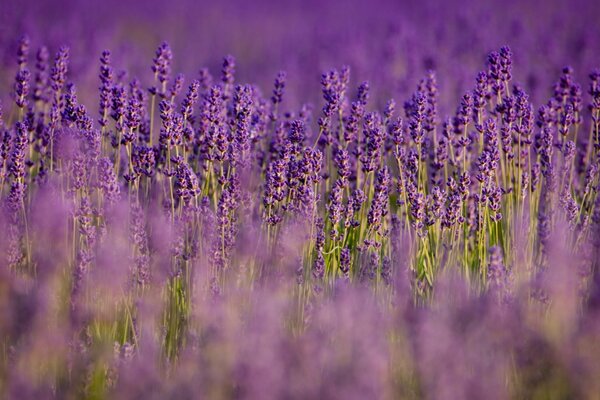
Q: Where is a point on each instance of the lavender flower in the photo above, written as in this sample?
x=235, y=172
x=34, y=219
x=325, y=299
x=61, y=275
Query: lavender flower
x=107, y=181
x=41, y=75
x=379, y=206
x=106, y=87
x=17, y=159
x=279, y=88
x=187, y=186
x=345, y=261
x=335, y=207
x=59, y=71
x=162, y=64
x=228, y=76
x=22, y=83
x=23, y=52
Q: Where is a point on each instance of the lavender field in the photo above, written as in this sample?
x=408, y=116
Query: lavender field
x=299, y=199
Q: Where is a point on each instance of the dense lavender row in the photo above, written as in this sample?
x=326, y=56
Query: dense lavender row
x=199, y=237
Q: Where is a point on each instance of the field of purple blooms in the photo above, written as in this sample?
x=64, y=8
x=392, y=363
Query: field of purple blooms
x=391, y=201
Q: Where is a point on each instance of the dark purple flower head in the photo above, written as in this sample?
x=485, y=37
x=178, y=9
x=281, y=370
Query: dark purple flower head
x=41, y=75
x=167, y=116
x=417, y=117
x=363, y=93
x=242, y=109
x=278, y=90
x=143, y=160
x=69, y=114
x=16, y=197
x=106, y=85
x=345, y=261
x=228, y=76
x=119, y=104
x=452, y=213
x=374, y=138
x=107, y=181
x=463, y=114
x=358, y=198
x=187, y=106
x=23, y=52
x=215, y=105
x=335, y=206
x=505, y=64
x=379, y=205
x=498, y=276
x=357, y=111
x=435, y=203
x=22, y=84
x=297, y=132
x=500, y=65
x=134, y=107
x=390, y=109
x=562, y=88
x=546, y=149
x=20, y=143
x=369, y=267
x=342, y=162
x=494, y=201
x=187, y=185
x=430, y=88
x=177, y=86
x=333, y=89
x=162, y=62
x=205, y=79
x=275, y=183
x=318, y=270
x=386, y=270
x=489, y=159
x=571, y=209
x=59, y=71
x=480, y=95
x=397, y=132
x=228, y=70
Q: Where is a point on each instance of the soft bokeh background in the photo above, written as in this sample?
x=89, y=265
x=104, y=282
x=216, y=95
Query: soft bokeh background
x=390, y=43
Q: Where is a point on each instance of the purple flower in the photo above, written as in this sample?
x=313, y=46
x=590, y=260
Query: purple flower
x=498, y=276
x=374, y=138
x=41, y=75
x=417, y=117
x=335, y=206
x=177, y=86
x=106, y=87
x=345, y=261
x=144, y=161
x=119, y=104
x=242, y=108
x=279, y=88
x=134, y=108
x=22, y=83
x=379, y=205
x=17, y=159
x=107, y=181
x=162, y=64
x=228, y=75
x=23, y=52
x=333, y=89
x=275, y=183
x=187, y=186
x=342, y=162
x=187, y=106
x=59, y=71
